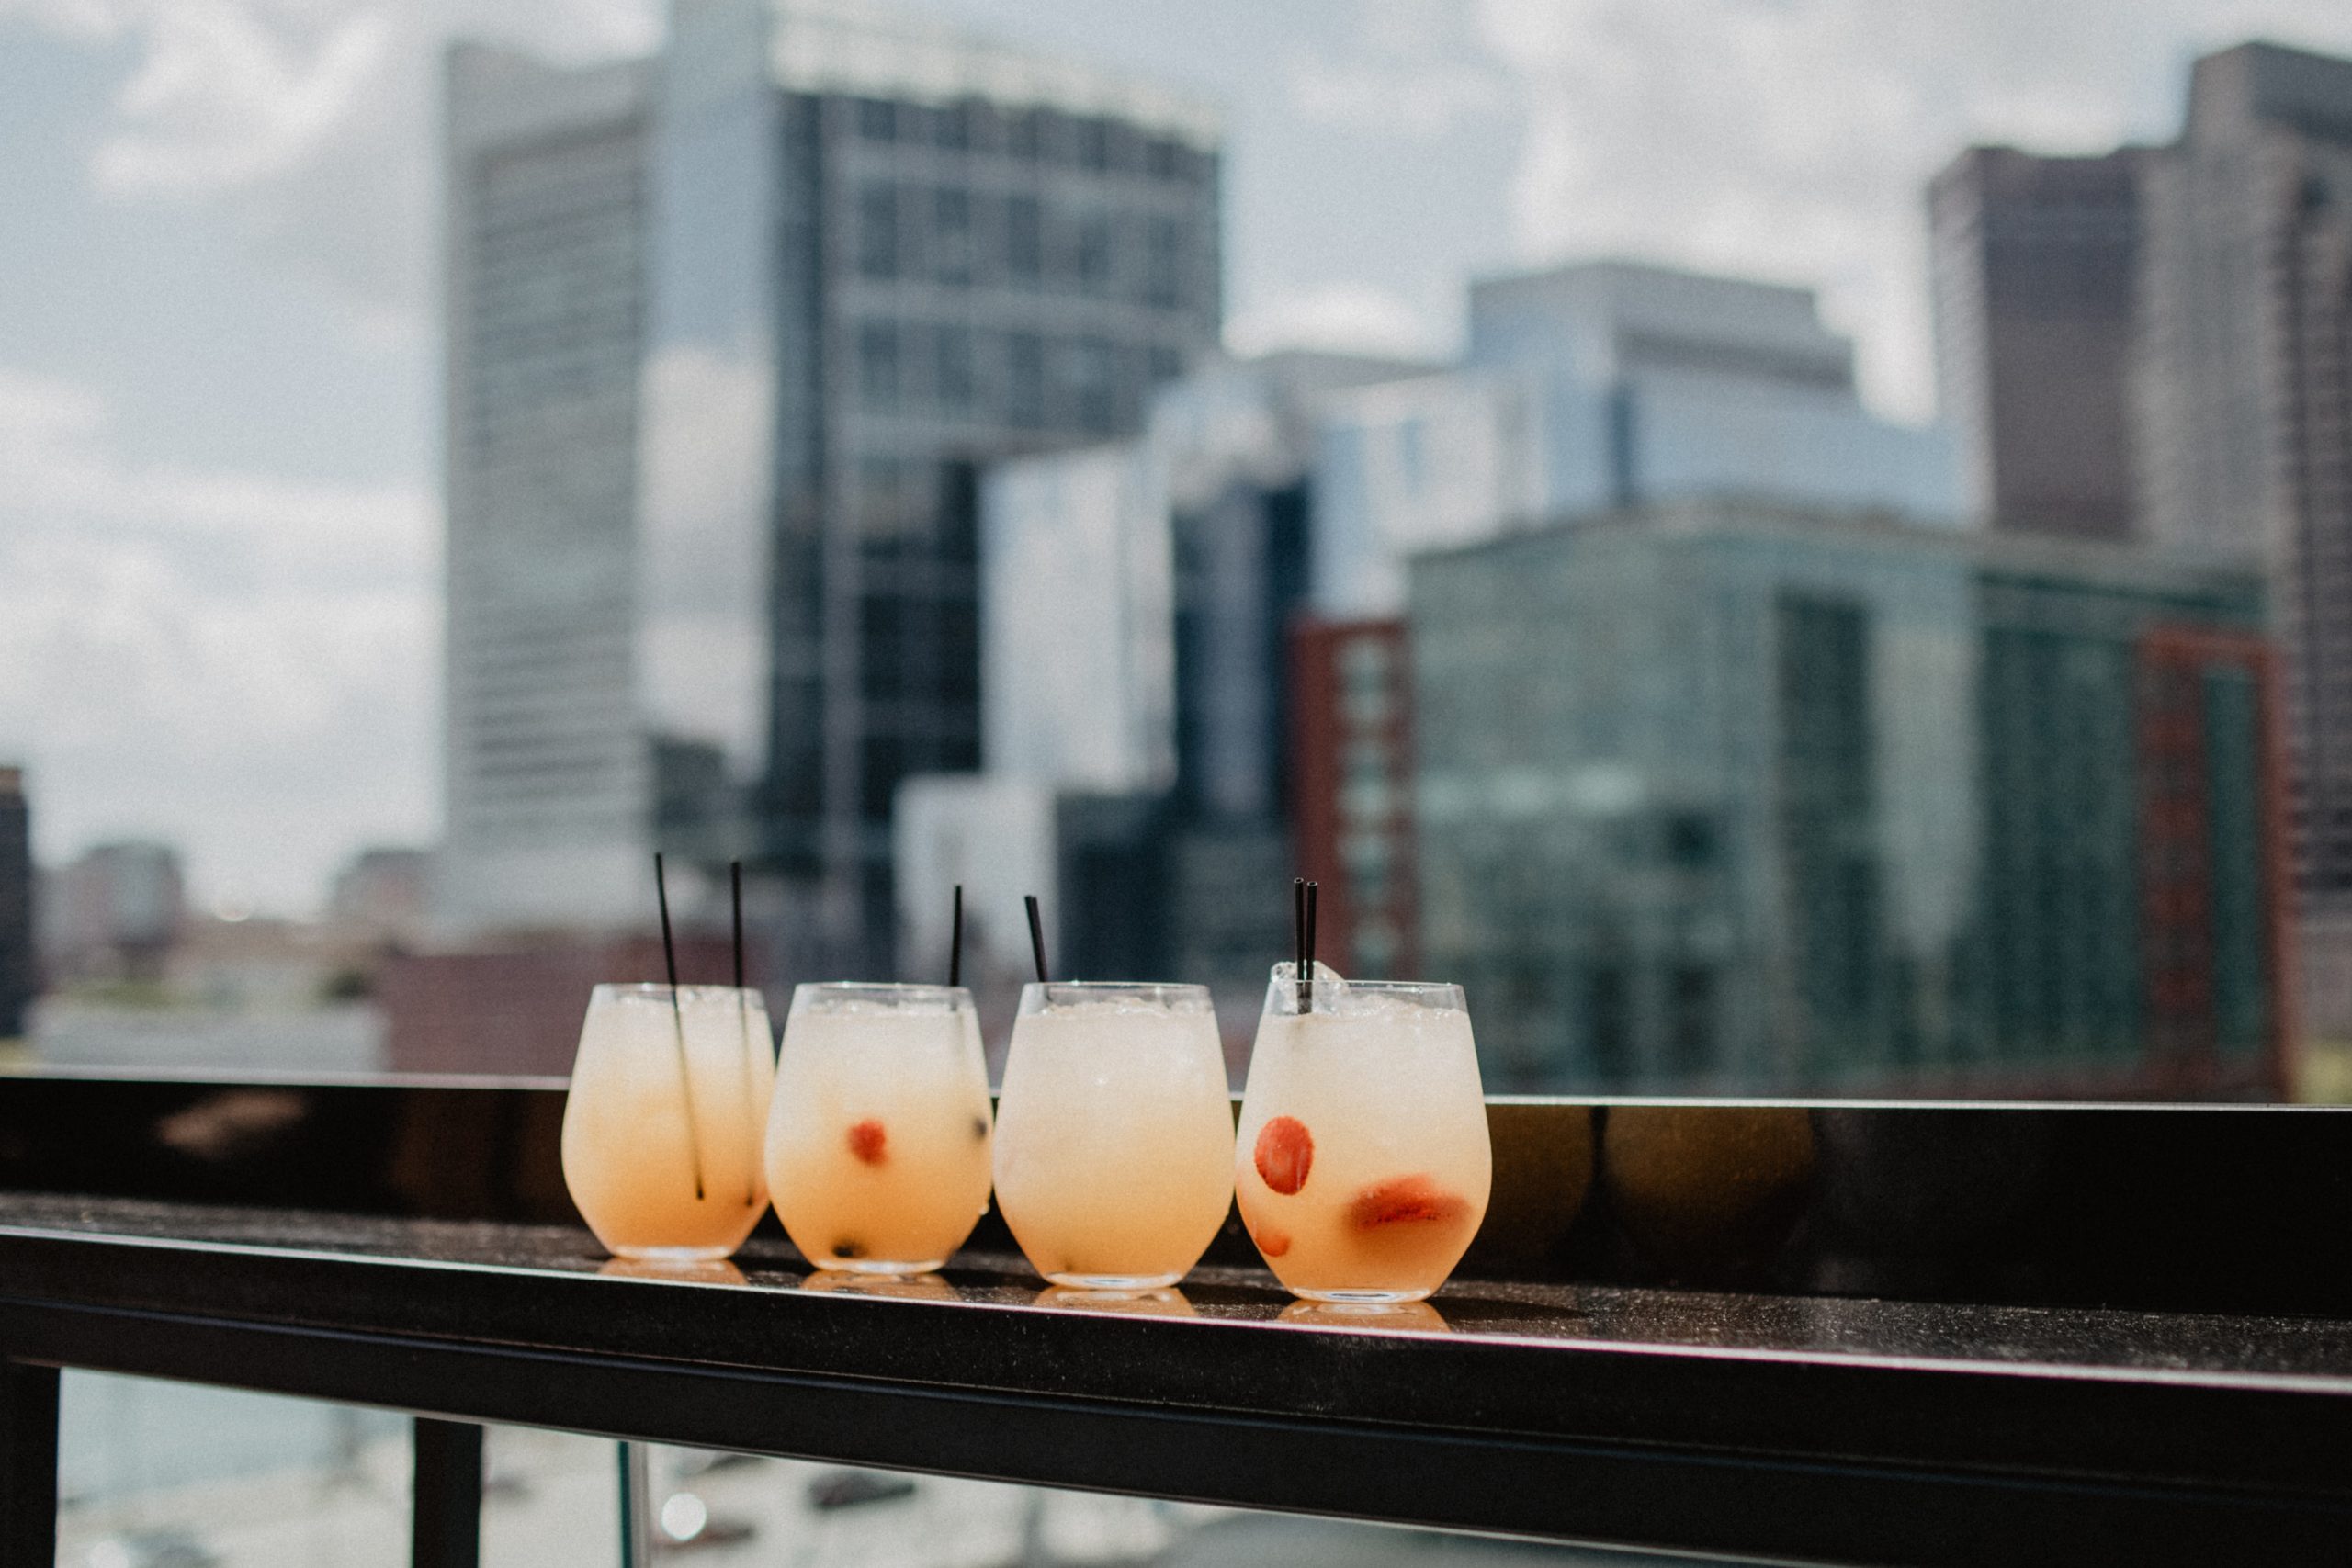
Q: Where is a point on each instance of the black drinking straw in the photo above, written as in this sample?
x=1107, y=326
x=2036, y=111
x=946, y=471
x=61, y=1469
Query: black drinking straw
x=955, y=941
x=1312, y=889
x=1037, y=936
x=743, y=1019
x=1298, y=939
x=735, y=875
x=677, y=1017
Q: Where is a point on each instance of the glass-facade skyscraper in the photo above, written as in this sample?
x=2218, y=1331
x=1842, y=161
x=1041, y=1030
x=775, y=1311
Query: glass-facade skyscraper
x=847, y=259
x=1730, y=800
x=2246, y=430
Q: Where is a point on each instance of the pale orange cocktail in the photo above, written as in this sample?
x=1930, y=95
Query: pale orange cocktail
x=877, y=1141
x=1361, y=1166
x=1115, y=1132
x=662, y=1127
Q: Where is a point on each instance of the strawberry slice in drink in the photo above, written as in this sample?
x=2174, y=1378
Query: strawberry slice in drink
x=1285, y=1155
x=1404, y=1201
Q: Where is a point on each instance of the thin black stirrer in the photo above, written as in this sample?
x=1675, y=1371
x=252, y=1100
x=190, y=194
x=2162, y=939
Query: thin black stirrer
x=743, y=1022
x=1037, y=936
x=955, y=941
x=735, y=876
x=677, y=1017
x=1312, y=889
x=1298, y=939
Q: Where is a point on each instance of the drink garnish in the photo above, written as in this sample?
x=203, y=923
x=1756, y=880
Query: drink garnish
x=1286, y=1153
x=868, y=1141
x=1405, y=1199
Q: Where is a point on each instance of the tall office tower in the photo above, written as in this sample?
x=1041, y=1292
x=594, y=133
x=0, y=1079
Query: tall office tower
x=546, y=766
x=1601, y=384
x=19, y=968
x=1730, y=798
x=2244, y=391
x=802, y=273
x=2035, y=266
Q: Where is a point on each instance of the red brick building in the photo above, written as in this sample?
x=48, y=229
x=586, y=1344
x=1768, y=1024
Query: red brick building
x=1352, y=780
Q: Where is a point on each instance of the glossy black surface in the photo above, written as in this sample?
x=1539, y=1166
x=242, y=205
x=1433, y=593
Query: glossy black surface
x=2221, y=1208
x=1941, y=1350
x=1841, y=1429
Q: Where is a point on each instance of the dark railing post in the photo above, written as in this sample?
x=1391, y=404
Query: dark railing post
x=444, y=1529
x=27, y=1465
x=637, y=1505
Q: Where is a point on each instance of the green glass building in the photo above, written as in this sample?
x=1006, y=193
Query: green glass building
x=1731, y=798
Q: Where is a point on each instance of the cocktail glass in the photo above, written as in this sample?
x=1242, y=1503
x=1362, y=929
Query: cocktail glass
x=662, y=1128
x=1115, y=1132
x=878, y=1142
x=1362, y=1165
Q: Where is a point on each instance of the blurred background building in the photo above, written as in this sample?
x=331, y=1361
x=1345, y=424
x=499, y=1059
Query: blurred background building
x=1135, y=610
x=113, y=914
x=730, y=331
x=2154, y=343
x=1729, y=798
x=843, y=475
x=383, y=897
x=1607, y=384
x=2245, y=424
x=19, y=957
x=1351, y=792
x=2035, y=264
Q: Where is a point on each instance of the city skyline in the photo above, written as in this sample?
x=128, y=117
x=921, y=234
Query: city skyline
x=220, y=613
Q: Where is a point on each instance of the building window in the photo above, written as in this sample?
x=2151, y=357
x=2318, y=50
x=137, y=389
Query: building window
x=877, y=119
x=1090, y=258
x=1025, y=240
x=1691, y=1018
x=951, y=235
x=1094, y=138
x=1023, y=135
x=1163, y=271
x=1608, y=1023
x=952, y=372
x=877, y=364
x=1024, y=379
x=1094, y=376
x=954, y=124
x=877, y=229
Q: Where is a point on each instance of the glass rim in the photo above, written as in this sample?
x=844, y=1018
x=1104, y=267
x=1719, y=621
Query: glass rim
x=660, y=990
x=1168, y=993
x=1439, y=995
x=895, y=991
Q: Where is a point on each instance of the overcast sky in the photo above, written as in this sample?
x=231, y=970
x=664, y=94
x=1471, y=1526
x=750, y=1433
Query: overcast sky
x=219, y=531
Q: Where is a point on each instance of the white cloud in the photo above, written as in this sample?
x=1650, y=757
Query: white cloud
x=1346, y=318
x=1795, y=138
x=238, y=663
x=312, y=121
x=1411, y=68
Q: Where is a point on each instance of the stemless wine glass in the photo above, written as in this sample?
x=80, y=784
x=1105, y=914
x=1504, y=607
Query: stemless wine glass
x=1362, y=1165
x=1115, y=1132
x=878, y=1149
x=662, y=1128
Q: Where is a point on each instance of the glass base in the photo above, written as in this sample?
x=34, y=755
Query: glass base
x=673, y=1254
x=1117, y=1281
x=1360, y=1298
x=878, y=1267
